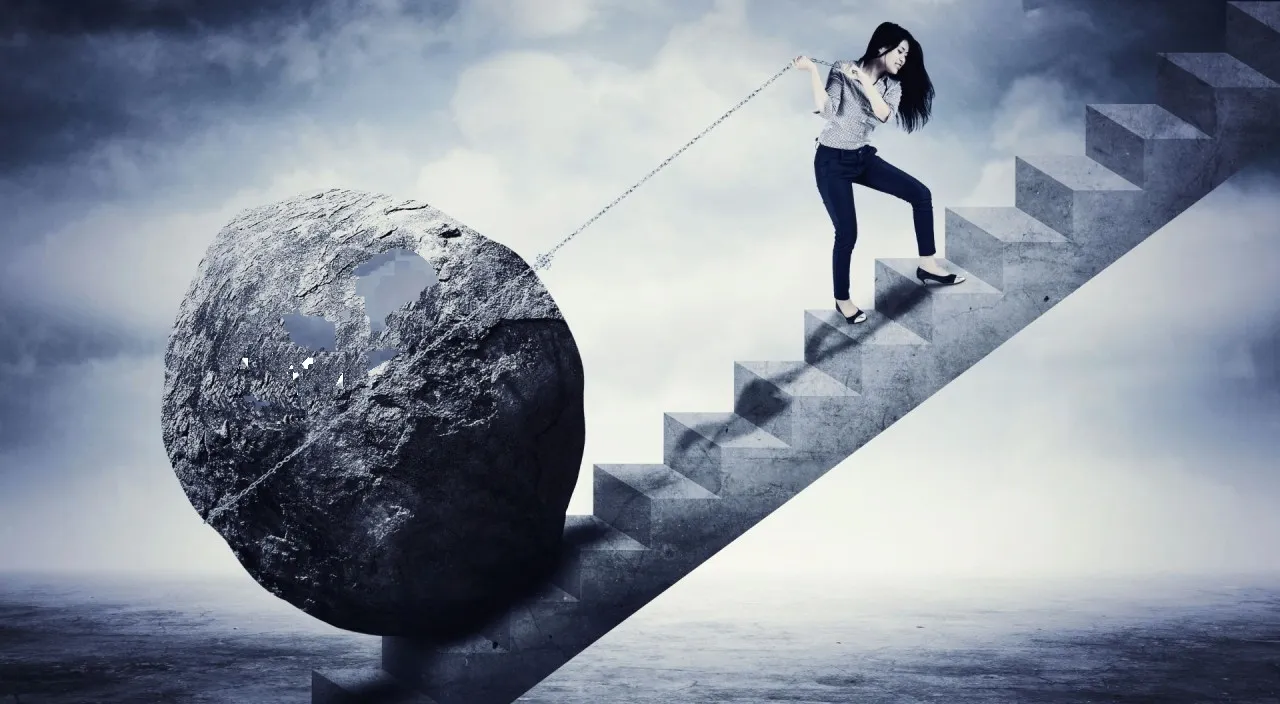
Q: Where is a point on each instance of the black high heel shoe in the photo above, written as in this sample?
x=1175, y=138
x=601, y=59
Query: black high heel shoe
x=852, y=319
x=948, y=280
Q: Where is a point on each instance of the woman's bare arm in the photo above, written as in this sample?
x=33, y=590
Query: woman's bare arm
x=815, y=81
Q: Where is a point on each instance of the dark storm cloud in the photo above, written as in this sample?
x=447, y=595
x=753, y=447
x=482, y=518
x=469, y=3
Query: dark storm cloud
x=32, y=338
x=1108, y=50
x=69, y=84
x=92, y=17
x=75, y=74
x=80, y=17
x=36, y=348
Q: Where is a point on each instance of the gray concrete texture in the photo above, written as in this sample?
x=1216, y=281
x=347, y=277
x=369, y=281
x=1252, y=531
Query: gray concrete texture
x=793, y=421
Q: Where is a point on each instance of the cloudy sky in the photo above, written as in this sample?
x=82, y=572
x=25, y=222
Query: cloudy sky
x=1130, y=428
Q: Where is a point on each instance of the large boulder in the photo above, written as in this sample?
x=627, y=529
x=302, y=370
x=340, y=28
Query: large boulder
x=403, y=475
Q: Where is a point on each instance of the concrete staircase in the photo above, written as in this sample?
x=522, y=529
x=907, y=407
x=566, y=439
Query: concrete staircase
x=793, y=421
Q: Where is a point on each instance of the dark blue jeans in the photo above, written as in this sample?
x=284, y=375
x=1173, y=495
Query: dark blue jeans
x=836, y=170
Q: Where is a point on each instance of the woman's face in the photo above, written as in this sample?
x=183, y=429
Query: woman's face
x=896, y=57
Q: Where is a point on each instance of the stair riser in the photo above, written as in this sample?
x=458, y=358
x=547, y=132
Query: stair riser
x=895, y=375
x=971, y=337
x=1084, y=217
x=754, y=474
x=1253, y=42
x=685, y=525
x=1014, y=266
x=758, y=487
x=923, y=310
x=833, y=352
x=1179, y=165
x=831, y=425
x=690, y=453
x=792, y=419
x=838, y=426
x=603, y=576
x=763, y=403
x=1106, y=224
x=1218, y=112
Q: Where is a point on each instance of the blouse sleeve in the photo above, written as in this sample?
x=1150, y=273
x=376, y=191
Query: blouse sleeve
x=835, y=83
x=892, y=97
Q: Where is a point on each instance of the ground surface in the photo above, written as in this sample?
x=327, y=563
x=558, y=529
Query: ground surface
x=87, y=640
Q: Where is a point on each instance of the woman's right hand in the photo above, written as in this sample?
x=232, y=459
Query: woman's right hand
x=804, y=62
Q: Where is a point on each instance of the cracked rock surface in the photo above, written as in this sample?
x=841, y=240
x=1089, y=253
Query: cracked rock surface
x=399, y=479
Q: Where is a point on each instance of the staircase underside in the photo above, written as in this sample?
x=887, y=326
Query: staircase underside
x=794, y=420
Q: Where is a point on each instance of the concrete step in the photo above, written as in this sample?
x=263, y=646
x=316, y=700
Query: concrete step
x=719, y=451
x=1088, y=203
x=927, y=309
x=1011, y=250
x=1064, y=190
x=362, y=686
x=1152, y=148
x=1253, y=35
x=890, y=366
x=1033, y=265
x=963, y=323
x=605, y=577
x=536, y=642
x=751, y=470
x=797, y=403
x=657, y=506
x=1221, y=95
x=495, y=677
x=600, y=563
x=524, y=625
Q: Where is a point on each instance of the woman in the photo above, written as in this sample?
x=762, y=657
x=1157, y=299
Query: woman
x=889, y=79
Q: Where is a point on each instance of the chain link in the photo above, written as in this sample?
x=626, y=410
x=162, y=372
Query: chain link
x=542, y=262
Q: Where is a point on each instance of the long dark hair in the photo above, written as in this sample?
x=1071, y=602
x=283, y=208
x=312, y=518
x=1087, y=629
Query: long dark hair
x=917, y=90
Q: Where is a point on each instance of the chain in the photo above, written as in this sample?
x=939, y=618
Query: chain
x=543, y=261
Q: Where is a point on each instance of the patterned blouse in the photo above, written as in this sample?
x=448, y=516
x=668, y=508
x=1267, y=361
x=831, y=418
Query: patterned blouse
x=850, y=119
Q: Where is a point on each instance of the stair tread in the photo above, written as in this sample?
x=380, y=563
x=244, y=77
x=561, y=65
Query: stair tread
x=657, y=481
x=1220, y=70
x=1267, y=13
x=1149, y=121
x=875, y=330
x=610, y=538
x=740, y=432
x=1009, y=224
x=1079, y=172
x=971, y=286
x=798, y=378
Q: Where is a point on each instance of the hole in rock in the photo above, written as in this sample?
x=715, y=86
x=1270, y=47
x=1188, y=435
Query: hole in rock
x=378, y=356
x=313, y=332
x=256, y=402
x=390, y=280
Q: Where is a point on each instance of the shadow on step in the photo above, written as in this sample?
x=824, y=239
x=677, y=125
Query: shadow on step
x=528, y=585
x=581, y=535
x=759, y=390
